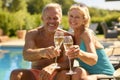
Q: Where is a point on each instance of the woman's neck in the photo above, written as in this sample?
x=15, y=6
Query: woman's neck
x=79, y=31
x=77, y=35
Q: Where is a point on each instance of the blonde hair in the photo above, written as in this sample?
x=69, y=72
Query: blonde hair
x=54, y=6
x=83, y=10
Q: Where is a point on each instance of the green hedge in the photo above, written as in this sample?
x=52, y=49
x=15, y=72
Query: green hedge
x=10, y=22
x=108, y=19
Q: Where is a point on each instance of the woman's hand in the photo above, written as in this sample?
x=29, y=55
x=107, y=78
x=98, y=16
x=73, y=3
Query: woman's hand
x=73, y=52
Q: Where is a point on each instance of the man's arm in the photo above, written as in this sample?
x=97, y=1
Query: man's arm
x=30, y=53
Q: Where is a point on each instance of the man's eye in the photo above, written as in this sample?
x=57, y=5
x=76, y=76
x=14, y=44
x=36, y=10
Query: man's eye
x=55, y=18
x=77, y=17
x=71, y=16
x=48, y=18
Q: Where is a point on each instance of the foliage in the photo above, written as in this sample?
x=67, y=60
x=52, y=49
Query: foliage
x=65, y=4
x=4, y=21
x=25, y=14
x=32, y=21
x=17, y=5
x=10, y=22
x=64, y=23
x=14, y=5
x=0, y=4
x=19, y=19
x=118, y=19
x=95, y=12
x=35, y=6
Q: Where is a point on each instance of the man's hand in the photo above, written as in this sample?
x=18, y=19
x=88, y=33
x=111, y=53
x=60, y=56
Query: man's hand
x=50, y=52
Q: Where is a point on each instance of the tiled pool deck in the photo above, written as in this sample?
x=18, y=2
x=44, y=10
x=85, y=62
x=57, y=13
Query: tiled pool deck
x=108, y=44
x=112, y=46
x=13, y=42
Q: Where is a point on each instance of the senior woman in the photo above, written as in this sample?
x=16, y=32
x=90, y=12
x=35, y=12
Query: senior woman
x=88, y=51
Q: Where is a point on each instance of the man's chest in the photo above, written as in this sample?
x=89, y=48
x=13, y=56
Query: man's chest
x=43, y=42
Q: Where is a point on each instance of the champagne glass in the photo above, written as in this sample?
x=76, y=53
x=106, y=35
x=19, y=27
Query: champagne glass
x=58, y=40
x=68, y=41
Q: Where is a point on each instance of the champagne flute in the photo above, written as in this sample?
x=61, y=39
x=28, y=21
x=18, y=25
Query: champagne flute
x=68, y=41
x=58, y=40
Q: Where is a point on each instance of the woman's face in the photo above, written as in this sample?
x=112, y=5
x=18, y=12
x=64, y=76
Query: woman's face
x=76, y=18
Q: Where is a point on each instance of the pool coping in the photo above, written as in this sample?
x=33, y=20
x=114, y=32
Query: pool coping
x=16, y=42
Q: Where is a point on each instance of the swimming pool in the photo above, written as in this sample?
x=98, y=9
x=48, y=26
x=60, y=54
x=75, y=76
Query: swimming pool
x=10, y=59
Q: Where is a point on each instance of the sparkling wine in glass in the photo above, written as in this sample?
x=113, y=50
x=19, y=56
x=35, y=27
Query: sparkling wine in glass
x=58, y=40
x=68, y=41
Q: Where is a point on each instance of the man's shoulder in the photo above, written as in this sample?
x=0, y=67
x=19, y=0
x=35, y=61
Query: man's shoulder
x=35, y=30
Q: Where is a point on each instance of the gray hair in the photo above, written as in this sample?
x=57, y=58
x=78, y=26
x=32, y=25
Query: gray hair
x=52, y=5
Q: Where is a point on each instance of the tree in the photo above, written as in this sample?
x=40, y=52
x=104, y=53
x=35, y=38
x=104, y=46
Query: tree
x=65, y=4
x=36, y=6
x=0, y=4
x=17, y=5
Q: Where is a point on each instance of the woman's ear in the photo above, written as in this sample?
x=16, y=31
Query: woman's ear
x=85, y=19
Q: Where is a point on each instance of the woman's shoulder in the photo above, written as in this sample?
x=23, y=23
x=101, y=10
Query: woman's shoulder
x=86, y=34
x=66, y=33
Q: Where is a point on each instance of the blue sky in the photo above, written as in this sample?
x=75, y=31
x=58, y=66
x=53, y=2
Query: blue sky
x=111, y=5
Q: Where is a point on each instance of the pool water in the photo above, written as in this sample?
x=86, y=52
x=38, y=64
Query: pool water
x=10, y=59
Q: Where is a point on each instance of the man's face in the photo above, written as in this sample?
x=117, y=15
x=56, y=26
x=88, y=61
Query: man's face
x=51, y=19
